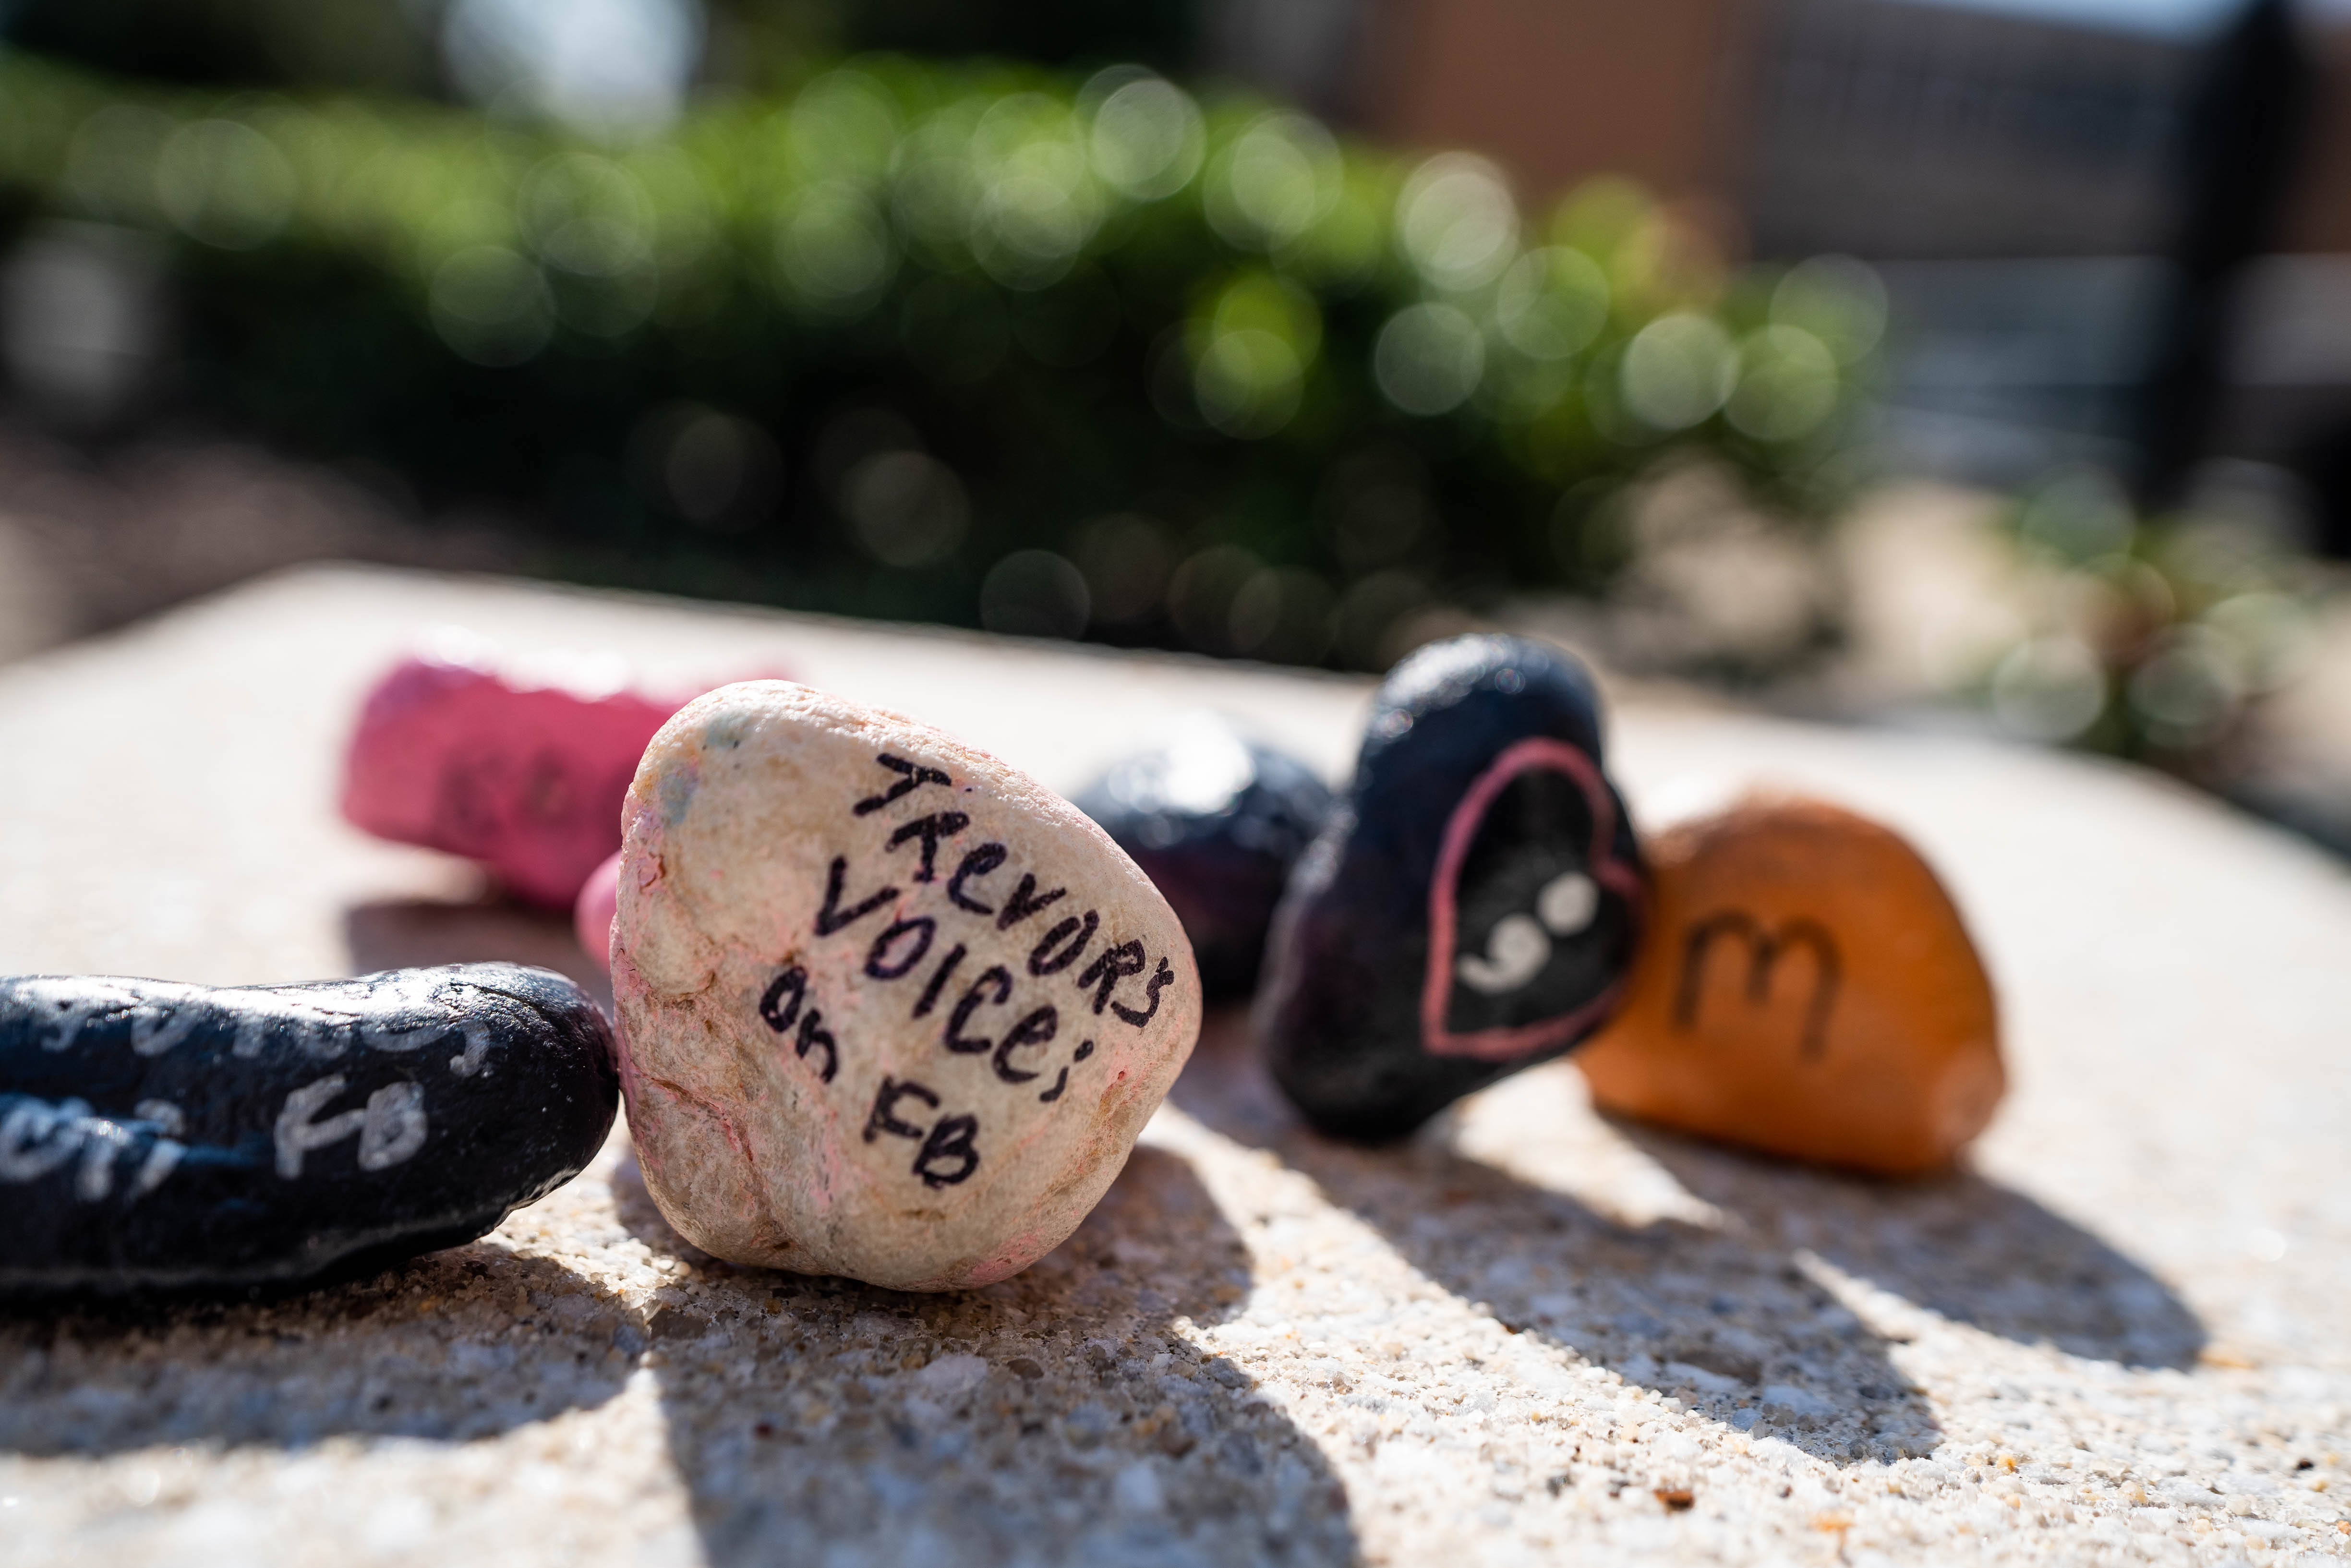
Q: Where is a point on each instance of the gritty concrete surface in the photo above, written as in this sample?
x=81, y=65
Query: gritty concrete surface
x=1532, y=1335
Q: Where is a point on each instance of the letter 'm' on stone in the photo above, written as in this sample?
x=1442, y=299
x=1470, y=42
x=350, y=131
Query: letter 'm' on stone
x=1808, y=990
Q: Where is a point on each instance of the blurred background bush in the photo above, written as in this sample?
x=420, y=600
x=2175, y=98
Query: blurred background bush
x=1956, y=358
x=974, y=344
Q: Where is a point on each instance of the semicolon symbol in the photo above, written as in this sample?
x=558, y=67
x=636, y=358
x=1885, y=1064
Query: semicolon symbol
x=1519, y=946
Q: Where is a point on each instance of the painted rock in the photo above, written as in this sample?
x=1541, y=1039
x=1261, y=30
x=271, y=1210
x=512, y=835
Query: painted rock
x=521, y=770
x=167, y=1137
x=1217, y=822
x=1473, y=904
x=591, y=917
x=889, y=1008
x=1807, y=989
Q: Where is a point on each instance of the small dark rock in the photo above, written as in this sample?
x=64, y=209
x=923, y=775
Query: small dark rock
x=1725, y=1361
x=1473, y=904
x=676, y=1326
x=175, y=1138
x=1216, y=822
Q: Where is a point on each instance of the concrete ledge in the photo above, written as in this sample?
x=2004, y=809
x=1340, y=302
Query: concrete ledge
x=1531, y=1335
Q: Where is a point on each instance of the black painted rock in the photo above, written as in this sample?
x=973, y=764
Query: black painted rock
x=1216, y=822
x=167, y=1137
x=1473, y=905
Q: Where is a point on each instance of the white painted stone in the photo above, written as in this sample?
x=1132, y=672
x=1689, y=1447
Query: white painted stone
x=890, y=1009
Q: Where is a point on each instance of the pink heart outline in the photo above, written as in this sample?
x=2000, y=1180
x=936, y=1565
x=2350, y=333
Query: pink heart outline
x=1504, y=1044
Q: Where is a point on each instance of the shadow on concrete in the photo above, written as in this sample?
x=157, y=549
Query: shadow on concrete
x=1960, y=1244
x=1057, y=1416
x=1733, y=1327
x=1739, y=1319
x=462, y=1343
x=400, y=934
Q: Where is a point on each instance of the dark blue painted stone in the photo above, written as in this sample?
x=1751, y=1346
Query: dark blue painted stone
x=1471, y=907
x=162, y=1137
x=1216, y=822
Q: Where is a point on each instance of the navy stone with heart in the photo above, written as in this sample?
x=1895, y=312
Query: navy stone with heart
x=157, y=1138
x=1217, y=822
x=1473, y=904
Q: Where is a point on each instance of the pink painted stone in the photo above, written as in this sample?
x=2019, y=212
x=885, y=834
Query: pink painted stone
x=591, y=917
x=521, y=770
x=889, y=1008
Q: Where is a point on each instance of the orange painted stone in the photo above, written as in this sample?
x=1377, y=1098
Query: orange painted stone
x=1805, y=989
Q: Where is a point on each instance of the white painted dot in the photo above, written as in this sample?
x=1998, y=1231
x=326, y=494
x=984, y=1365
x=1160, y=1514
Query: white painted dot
x=1568, y=903
x=1516, y=951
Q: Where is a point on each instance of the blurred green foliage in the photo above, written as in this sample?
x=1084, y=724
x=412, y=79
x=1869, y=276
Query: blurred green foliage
x=967, y=344
x=2155, y=639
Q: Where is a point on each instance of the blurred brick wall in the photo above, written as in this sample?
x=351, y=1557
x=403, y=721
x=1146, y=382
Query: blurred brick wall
x=1557, y=90
x=1668, y=91
x=2320, y=217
